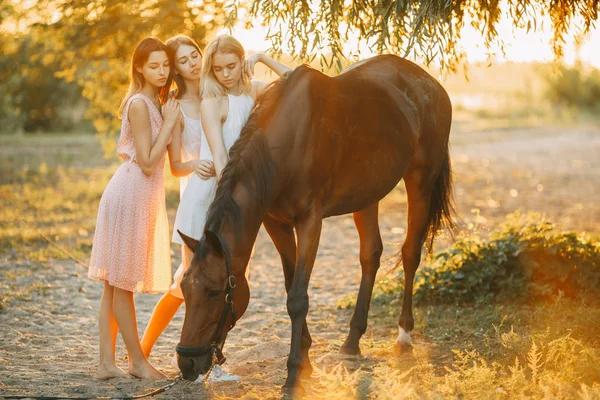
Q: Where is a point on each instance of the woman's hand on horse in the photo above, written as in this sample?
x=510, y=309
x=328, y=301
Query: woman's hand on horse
x=170, y=111
x=249, y=64
x=205, y=169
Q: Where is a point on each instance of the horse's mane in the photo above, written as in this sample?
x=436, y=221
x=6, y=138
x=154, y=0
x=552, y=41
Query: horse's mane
x=249, y=158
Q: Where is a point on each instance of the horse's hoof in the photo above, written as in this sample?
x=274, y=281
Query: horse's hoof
x=292, y=392
x=401, y=349
x=403, y=342
x=350, y=351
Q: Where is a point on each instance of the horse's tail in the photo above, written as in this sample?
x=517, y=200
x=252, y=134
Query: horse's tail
x=441, y=206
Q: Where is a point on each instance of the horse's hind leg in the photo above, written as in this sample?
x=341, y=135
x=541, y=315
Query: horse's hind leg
x=285, y=241
x=371, y=247
x=419, y=188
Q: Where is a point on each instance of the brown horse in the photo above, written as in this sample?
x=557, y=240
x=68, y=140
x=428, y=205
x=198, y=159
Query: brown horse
x=314, y=147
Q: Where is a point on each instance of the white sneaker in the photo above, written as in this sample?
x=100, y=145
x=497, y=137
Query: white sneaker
x=219, y=375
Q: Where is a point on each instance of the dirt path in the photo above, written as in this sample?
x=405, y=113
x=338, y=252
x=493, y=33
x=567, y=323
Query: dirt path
x=48, y=335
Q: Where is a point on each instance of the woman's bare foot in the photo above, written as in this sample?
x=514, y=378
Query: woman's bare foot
x=111, y=371
x=145, y=371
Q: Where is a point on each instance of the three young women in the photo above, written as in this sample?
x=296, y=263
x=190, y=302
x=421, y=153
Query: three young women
x=222, y=94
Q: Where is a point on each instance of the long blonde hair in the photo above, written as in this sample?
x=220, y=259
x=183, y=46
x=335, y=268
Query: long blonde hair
x=136, y=79
x=209, y=85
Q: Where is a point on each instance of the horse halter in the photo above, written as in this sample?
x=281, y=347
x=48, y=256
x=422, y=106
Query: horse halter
x=216, y=347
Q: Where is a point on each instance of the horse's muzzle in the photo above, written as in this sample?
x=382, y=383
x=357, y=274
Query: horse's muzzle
x=192, y=367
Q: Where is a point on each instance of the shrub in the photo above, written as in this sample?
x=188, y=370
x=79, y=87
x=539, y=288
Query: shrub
x=574, y=87
x=523, y=258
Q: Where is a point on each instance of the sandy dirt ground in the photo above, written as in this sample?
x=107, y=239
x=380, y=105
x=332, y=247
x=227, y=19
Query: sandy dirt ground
x=48, y=337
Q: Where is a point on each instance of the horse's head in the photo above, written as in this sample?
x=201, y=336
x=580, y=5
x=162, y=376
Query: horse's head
x=214, y=299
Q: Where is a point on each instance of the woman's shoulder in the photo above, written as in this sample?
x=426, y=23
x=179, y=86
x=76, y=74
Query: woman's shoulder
x=212, y=103
x=138, y=104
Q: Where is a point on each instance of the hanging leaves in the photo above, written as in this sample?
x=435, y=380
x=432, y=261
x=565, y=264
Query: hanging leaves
x=424, y=30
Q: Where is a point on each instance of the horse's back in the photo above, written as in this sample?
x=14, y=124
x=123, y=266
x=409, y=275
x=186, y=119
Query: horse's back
x=355, y=134
x=394, y=74
x=413, y=93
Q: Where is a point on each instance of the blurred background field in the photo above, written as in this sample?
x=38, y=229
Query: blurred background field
x=484, y=96
x=47, y=176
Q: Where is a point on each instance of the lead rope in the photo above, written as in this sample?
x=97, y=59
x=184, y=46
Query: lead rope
x=207, y=374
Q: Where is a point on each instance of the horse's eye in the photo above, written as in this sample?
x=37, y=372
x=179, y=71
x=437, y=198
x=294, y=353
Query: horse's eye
x=212, y=293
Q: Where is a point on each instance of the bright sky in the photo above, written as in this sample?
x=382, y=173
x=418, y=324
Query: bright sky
x=520, y=46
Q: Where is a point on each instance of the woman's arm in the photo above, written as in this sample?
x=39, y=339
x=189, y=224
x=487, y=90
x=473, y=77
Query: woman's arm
x=258, y=87
x=273, y=65
x=178, y=168
x=210, y=115
x=147, y=155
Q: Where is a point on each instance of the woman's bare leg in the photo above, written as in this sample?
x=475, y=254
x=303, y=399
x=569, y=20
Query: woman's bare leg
x=124, y=309
x=107, y=326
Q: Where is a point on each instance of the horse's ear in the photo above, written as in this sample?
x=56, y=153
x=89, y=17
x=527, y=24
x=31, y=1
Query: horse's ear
x=191, y=243
x=214, y=242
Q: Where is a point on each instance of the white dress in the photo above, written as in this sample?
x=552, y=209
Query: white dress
x=191, y=138
x=199, y=193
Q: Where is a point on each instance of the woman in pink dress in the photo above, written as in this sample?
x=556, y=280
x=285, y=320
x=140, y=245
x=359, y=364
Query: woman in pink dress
x=131, y=248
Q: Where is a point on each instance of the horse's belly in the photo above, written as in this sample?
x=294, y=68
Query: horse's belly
x=353, y=203
x=360, y=196
x=359, y=184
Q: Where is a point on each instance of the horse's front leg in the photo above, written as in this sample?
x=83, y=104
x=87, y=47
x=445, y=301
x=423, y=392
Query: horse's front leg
x=284, y=240
x=308, y=231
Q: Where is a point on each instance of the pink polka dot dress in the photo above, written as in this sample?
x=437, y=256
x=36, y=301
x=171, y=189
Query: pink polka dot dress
x=131, y=248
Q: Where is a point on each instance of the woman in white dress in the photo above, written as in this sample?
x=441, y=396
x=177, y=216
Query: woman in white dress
x=228, y=94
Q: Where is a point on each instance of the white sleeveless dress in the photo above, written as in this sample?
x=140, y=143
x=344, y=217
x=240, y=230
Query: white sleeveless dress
x=199, y=193
x=191, y=139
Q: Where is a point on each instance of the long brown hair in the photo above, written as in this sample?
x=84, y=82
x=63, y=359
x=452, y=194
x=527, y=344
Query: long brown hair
x=136, y=79
x=172, y=47
x=209, y=85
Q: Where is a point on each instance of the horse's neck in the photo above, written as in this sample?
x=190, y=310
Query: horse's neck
x=242, y=233
x=252, y=193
